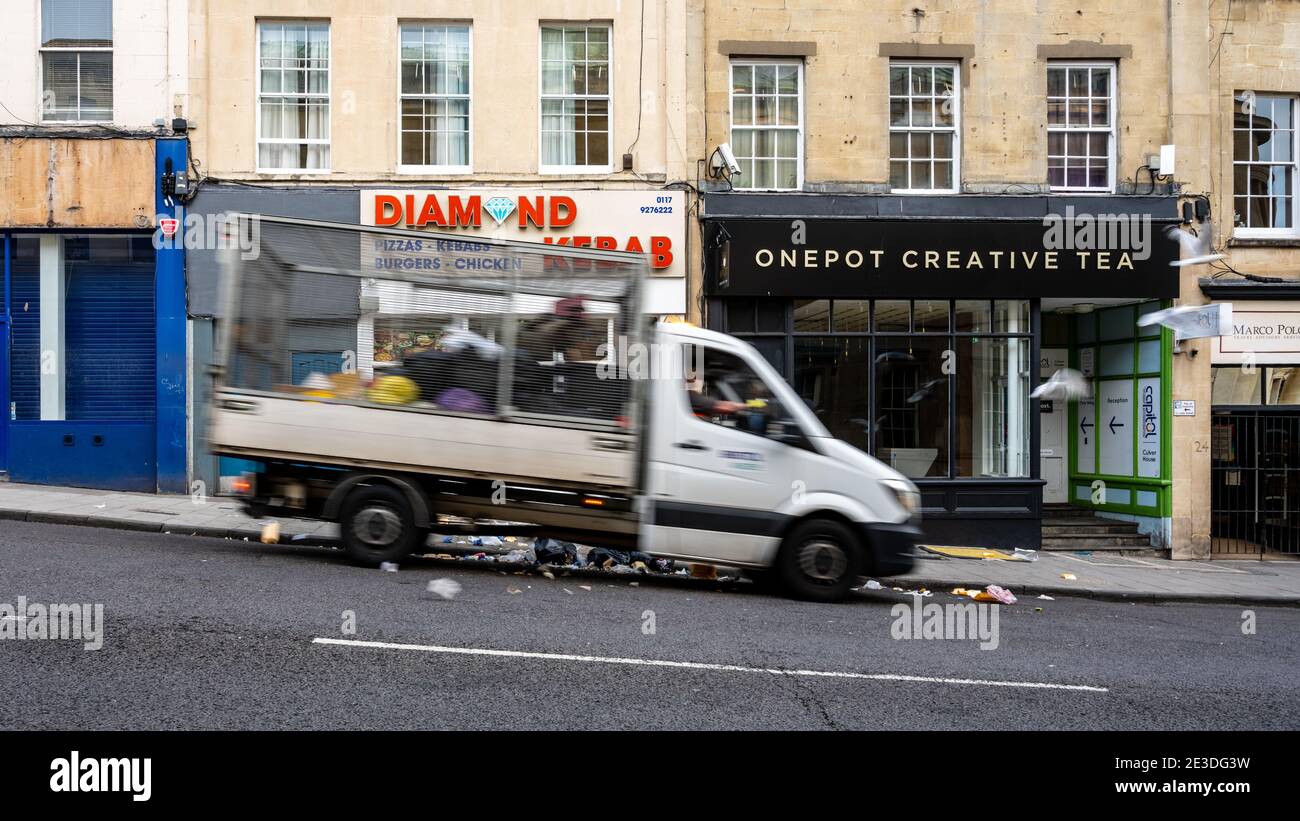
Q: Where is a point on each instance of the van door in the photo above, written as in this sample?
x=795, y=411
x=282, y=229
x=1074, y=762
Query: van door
x=723, y=474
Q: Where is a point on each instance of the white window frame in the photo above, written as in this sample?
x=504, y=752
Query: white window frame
x=40, y=73
x=328, y=97
x=1270, y=233
x=800, y=133
x=955, y=128
x=1113, y=131
x=542, y=166
x=468, y=167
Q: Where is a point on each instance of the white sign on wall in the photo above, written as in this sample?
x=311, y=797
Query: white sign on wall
x=1085, y=434
x=651, y=223
x=1148, y=433
x=1266, y=333
x=1115, y=426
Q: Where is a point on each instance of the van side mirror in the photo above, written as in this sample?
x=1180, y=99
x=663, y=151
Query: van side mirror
x=787, y=432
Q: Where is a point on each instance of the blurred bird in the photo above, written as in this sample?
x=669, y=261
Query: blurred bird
x=1064, y=384
x=1192, y=321
x=1197, y=247
x=926, y=390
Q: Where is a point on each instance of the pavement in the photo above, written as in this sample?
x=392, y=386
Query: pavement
x=1096, y=574
x=202, y=633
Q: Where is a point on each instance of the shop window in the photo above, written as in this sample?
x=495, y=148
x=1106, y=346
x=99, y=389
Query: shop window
x=76, y=60
x=1236, y=385
x=852, y=316
x=435, y=97
x=993, y=406
x=1266, y=177
x=1118, y=323
x=1117, y=359
x=293, y=99
x=1011, y=316
x=972, y=316
x=892, y=316
x=1149, y=352
x=832, y=375
x=924, y=127
x=89, y=353
x=1081, y=126
x=812, y=315
x=767, y=124
x=911, y=405
x=930, y=316
x=576, y=98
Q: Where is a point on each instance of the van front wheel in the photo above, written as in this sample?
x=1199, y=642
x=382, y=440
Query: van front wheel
x=377, y=525
x=819, y=561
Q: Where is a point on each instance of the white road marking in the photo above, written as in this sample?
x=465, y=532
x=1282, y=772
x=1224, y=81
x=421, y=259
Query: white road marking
x=699, y=665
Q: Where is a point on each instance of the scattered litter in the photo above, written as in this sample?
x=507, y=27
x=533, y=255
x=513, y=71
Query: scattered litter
x=703, y=571
x=518, y=557
x=1019, y=555
x=299, y=537
x=448, y=540
x=1069, y=577
x=512, y=590
x=998, y=594
x=271, y=533
x=486, y=541
x=388, y=567
x=1083, y=552
x=1046, y=597
x=446, y=588
x=586, y=587
x=872, y=584
x=548, y=574
x=1038, y=609
x=567, y=590
x=634, y=584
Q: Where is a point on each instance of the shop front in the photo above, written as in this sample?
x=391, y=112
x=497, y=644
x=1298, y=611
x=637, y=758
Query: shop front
x=919, y=340
x=1255, y=421
x=92, y=338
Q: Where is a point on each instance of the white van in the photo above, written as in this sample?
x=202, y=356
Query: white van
x=664, y=437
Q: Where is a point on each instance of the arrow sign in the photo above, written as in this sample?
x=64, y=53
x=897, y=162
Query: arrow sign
x=1084, y=424
x=1113, y=425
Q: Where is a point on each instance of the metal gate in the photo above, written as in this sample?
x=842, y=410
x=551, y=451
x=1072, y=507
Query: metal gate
x=1255, y=470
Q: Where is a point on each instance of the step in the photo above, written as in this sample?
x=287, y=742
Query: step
x=1051, y=528
x=1086, y=542
x=1052, y=511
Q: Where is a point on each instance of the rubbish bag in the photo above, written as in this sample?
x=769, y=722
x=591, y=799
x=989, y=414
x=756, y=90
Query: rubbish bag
x=606, y=558
x=553, y=551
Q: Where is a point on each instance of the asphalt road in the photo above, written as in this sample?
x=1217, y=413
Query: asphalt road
x=206, y=633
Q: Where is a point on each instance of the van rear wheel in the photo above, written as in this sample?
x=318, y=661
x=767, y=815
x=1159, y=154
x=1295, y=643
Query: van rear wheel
x=819, y=561
x=378, y=525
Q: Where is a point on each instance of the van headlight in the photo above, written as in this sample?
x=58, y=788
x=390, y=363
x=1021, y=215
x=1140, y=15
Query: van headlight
x=909, y=498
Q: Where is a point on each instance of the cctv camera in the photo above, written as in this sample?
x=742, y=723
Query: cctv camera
x=723, y=156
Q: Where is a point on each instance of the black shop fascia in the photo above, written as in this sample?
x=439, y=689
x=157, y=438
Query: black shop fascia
x=913, y=326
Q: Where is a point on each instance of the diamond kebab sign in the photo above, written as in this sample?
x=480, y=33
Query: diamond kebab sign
x=650, y=222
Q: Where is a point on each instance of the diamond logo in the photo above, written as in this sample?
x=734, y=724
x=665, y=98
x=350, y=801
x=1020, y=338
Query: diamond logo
x=499, y=208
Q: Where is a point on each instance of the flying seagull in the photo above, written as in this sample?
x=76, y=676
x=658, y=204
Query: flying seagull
x=1064, y=384
x=1197, y=248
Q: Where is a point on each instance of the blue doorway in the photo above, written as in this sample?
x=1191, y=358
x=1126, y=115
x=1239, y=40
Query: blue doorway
x=78, y=365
